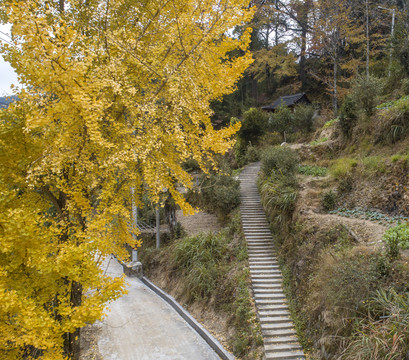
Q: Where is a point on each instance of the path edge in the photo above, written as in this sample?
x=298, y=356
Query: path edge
x=213, y=343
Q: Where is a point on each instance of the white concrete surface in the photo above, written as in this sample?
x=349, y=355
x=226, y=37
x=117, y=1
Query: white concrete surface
x=142, y=326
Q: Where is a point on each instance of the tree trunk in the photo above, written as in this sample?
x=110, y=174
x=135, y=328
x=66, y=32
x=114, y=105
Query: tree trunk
x=170, y=214
x=367, y=38
x=335, y=93
x=303, y=74
x=72, y=340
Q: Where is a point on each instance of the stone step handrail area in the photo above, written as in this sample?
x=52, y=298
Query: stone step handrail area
x=280, y=339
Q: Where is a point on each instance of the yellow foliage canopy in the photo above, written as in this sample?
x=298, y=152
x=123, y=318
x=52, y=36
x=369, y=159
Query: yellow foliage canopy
x=116, y=97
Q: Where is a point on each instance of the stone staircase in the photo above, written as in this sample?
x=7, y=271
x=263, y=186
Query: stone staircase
x=280, y=340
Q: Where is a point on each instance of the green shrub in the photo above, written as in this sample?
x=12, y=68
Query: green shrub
x=366, y=90
x=374, y=164
x=345, y=185
x=252, y=154
x=282, y=121
x=253, y=126
x=278, y=195
x=393, y=124
x=396, y=238
x=243, y=315
x=303, y=117
x=318, y=141
x=199, y=257
x=218, y=194
x=395, y=121
x=279, y=159
x=384, y=332
x=339, y=289
x=240, y=151
x=191, y=165
x=405, y=86
x=403, y=159
x=329, y=200
x=330, y=123
x=312, y=170
x=348, y=115
x=343, y=167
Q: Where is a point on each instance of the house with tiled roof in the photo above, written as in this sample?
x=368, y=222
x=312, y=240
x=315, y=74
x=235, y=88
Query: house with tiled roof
x=289, y=100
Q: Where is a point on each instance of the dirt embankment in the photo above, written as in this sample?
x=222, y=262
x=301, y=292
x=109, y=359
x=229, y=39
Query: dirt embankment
x=309, y=210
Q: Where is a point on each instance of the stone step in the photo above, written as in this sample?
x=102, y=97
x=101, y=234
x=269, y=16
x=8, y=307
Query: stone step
x=268, y=313
x=263, y=261
x=251, y=220
x=265, y=245
x=272, y=307
x=258, y=221
x=265, y=248
x=270, y=297
x=277, y=326
x=266, y=281
x=252, y=227
x=282, y=347
x=252, y=240
x=270, y=301
x=254, y=216
x=253, y=234
x=269, y=279
x=255, y=229
x=261, y=251
x=273, y=288
x=266, y=274
x=286, y=355
x=255, y=221
x=256, y=275
x=262, y=256
x=264, y=270
x=278, y=332
x=268, y=264
x=275, y=320
x=260, y=242
x=279, y=340
x=264, y=267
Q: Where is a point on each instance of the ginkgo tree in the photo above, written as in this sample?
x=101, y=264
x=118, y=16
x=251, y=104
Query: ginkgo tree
x=116, y=96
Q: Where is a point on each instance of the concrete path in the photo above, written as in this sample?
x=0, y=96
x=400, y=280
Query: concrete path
x=141, y=326
x=280, y=339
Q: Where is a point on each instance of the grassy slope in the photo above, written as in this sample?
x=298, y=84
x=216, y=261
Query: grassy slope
x=349, y=297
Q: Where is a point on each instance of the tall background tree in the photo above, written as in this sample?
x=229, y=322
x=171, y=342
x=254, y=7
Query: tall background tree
x=116, y=97
x=317, y=44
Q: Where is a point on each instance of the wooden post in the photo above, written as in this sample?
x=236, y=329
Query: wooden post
x=157, y=227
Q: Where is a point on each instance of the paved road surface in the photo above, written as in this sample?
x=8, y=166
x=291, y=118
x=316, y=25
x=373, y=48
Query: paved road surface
x=141, y=326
